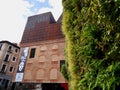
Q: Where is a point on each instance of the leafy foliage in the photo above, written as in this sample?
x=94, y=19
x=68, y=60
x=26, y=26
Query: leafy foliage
x=92, y=33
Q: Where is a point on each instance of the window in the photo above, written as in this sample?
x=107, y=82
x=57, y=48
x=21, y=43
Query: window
x=16, y=50
x=11, y=69
x=10, y=49
x=32, y=53
x=0, y=46
x=14, y=59
x=3, y=68
x=62, y=62
x=6, y=57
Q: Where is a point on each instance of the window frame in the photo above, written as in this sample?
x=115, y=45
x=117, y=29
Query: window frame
x=2, y=67
x=16, y=50
x=62, y=62
x=32, y=53
x=12, y=69
x=15, y=59
x=7, y=58
x=10, y=49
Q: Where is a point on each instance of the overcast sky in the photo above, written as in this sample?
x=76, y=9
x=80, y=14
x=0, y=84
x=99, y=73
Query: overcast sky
x=14, y=14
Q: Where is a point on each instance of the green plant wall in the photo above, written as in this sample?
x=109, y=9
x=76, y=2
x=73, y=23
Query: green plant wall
x=92, y=34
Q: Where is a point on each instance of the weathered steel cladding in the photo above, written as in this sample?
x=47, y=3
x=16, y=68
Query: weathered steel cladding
x=42, y=29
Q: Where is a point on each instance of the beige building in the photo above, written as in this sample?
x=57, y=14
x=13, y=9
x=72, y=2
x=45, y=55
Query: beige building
x=42, y=51
x=8, y=58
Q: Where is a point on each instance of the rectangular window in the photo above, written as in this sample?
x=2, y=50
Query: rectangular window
x=3, y=68
x=32, y=52
x=6, y=57
x=11, y=69
x=14, y=59
x=62, y=62
x=16, y=50
x=10, y=49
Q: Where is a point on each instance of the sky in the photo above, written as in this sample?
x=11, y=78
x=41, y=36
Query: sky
x=14, y=15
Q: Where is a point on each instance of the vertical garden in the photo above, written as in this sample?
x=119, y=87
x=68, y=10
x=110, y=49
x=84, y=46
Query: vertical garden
x=92, y=34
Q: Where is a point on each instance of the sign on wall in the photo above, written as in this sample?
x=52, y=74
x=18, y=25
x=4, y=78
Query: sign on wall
x=21, y=66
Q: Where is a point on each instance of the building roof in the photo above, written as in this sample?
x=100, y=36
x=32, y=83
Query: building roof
x=13, y=44
x=41, y=27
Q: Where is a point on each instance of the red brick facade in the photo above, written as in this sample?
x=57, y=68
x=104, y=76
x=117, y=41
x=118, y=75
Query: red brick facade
x=43, y=34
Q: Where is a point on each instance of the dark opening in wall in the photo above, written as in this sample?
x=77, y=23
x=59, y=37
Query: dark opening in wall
x=3, y=68
x=62, y=62
x=32, y=52
x=14, y=59
x=10, y=49
x=11, y=69
x=6, y=57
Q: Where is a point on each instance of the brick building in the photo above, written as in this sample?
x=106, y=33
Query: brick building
x=44, y=44
x=8, y=58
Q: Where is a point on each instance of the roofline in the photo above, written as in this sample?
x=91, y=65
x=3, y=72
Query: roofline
x=40, y=14
x=10, y=43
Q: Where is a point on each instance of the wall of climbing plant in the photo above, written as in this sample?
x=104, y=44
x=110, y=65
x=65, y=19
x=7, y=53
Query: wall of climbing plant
x=92, y=34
